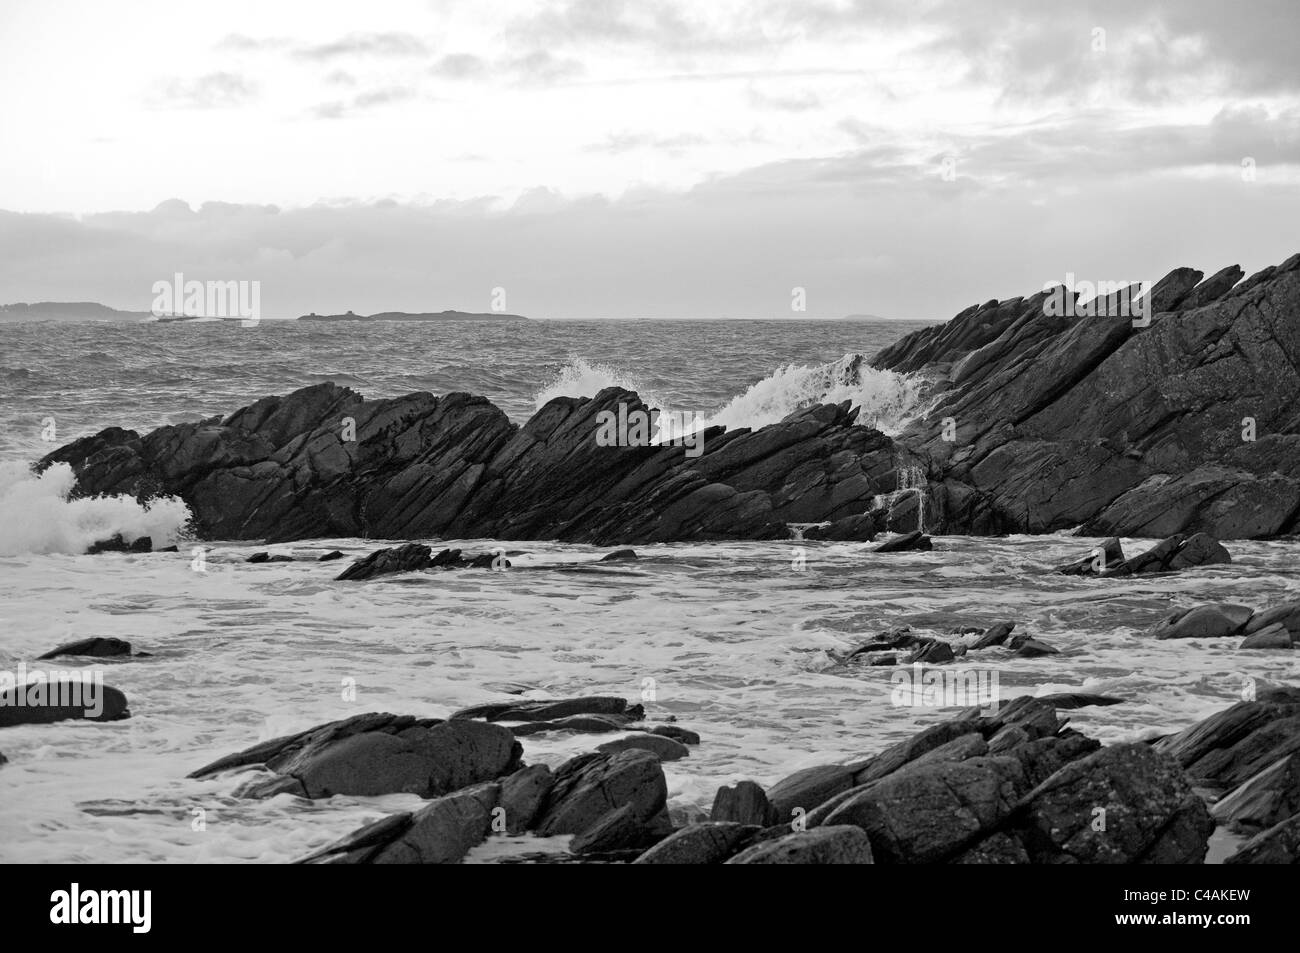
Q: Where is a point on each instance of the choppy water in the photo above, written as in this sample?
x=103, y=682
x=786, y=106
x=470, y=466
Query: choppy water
x=731, y=639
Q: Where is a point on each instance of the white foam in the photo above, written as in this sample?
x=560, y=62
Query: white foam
x=38, y=516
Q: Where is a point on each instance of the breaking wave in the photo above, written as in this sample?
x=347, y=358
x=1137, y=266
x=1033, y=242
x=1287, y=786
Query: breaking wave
x=38, y=516
x=886, y=400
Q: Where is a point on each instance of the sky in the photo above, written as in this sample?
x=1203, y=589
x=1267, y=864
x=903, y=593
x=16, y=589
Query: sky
x=903, y=158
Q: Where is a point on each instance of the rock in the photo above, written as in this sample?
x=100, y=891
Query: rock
x=522, y=796
x=1151, y=813
x=591, y=786
x=620, y=555
x=997, y=848
x=1109, y=553
x=409, y=558
x=932, y=653
x=806, y=789
x=1275, y=636
x=374, y=754
x=3, y=759
x=746, y=804
x=908, y=542
x=441, y=832
x=330, y=556
x=98, y=647
x=46, y=702
x=1279, y=844
x=707, y=843
x=1286, y=615
x=1173, y=554
x=684, y=735
x=611, y=706
x=586, y=724
x=1268, y=798
x=860, y=528
x=665, y=749
x=825, y=845
x=269, y=558
x=1202, y=622
x=1231, y=746
x=926, y=812
x=1027, y=647
x=620, y=829
x=116, y=544
x=1072, y=700
x=996, y=635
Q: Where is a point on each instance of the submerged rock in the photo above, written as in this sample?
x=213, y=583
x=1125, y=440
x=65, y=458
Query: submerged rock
x=97, y=647
x=60, y=700
x=908, y=542
x=116, y=544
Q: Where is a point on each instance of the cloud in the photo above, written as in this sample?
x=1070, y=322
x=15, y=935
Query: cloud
x=459, y=66
x=366, y=44
x=212, y=91
x=364, y=101
x=543, y=67
x=623, y=142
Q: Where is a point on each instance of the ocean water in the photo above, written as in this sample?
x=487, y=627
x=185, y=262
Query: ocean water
x=734, y=640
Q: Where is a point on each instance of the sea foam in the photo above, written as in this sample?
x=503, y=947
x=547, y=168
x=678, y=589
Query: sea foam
x=37, y=514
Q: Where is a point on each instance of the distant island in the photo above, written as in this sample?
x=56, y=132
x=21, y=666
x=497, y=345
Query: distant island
x=68, y=311
x=420, y=316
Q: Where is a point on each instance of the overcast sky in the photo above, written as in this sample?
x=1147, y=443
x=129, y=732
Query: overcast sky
x=606, y=159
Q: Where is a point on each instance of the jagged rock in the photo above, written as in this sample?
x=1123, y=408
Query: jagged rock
x=1173, y=554
x=908, y=542
x=523, y=794
x=116, y=544
x=409, y=558
x=611, y=706
x=706, y=843
x=330, y=556
x=1268, y=798
x=590, y=786
x=932, y=653
x=745, y=804
x=825, y=845
x=1286, y=615
x=1231, y=746
x=1150, y=814
x=1028, y=647
x=441, y=832
x=99, y=647
x=1274, y=637
x=1202, y=622
x=995, y=635
x=375, y=754
x=41, y=703
x=665, y=749
x=1279, y=844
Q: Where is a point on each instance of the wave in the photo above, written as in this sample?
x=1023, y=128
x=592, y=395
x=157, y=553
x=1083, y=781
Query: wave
x=886, y=400
x=37, y=514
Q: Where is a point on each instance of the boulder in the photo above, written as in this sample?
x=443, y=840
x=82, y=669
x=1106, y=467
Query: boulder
x=707, y=843
x=41, y=703
x=590, y=786
x=665, y=749
x=1279, y=844
x=746, y=804
x=805, y=789
x=1203, y=622
x=825, y=845
x=374, y=754
x=97, y=647
x=906, y=543
x=1276, y=636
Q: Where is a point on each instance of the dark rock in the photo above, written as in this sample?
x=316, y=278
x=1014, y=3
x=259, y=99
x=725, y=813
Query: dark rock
x=584, y=724
x=1279, y=844
x=995, y=635
x=908, y=542
x=1109, y=554
x=1231, y=746
x=1203, y=622
x=591, y=786
x=1028, y=647
x=441, y=832
x=860, y=528
x=98, y=647
x=1173, y=554
x=620, y=555
x=621, y=829
x=1150, y=812
x=1268, y=798
x=551, y=710
x=330, y=556
x=744, y=804
x=116, y=544
x=1287, y=615
x=375, y=754
x=932, y=653
x=707, y=843
x=806, y=789
x=46, y=702
x=408, y=558
x=1072, y=700
x=997, y=848
x=522, y=796
x=1274, y=637
x=684, y=735
x=665, y=749
x=825, y=845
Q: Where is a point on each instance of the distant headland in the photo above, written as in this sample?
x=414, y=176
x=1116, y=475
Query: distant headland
x=421, y=316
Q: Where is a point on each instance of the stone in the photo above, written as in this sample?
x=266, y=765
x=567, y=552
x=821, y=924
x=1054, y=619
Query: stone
x=744, y=803
x=707, y=843
x=825, y=845
x=665, y=749
x=98, y=647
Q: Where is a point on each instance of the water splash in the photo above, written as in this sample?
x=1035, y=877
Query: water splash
x=911, y=479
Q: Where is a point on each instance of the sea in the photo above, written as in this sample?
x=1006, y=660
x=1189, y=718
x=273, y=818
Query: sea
x=740, y=642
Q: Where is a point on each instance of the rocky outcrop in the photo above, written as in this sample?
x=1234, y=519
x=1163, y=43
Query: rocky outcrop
x=1045, y=421
x=1038, y=419
x=97, y=647
x=375, y=754
x=414, y=557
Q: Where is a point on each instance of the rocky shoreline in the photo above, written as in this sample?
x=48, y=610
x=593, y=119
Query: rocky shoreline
x=1035, y=423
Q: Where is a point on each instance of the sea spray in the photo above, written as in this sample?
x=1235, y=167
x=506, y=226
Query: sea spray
x=886, y=400
x=910, y=479
x=37, y=514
